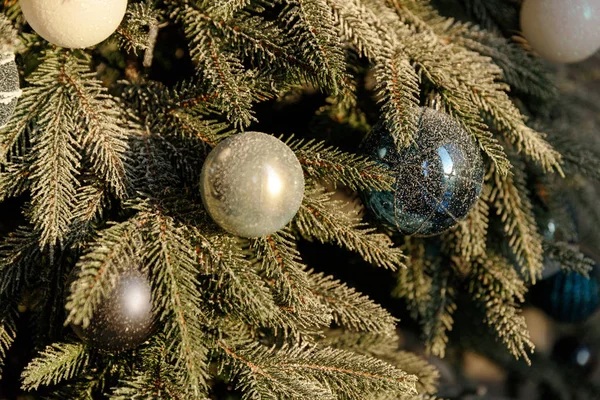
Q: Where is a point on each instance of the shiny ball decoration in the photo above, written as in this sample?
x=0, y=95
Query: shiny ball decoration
x=570, y=351
x=252, y=184
x=563, y=31
x=124, y=319
x=74, y=23
x=438, y=179
x=9, y=87
x=568, y=296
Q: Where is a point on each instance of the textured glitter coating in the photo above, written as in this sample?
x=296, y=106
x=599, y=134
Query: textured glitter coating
x=124, y=319
x=9, y=88
x=562, y=31
x=74, y=23
x=438, y=179
x=252, y=184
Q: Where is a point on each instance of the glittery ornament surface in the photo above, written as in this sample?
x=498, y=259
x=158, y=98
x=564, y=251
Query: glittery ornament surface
x=252, y=184
x=74, y=23
x=568, y=297
x=124, y=319
x=9, y=87
x=438, y=179
x=563, y=31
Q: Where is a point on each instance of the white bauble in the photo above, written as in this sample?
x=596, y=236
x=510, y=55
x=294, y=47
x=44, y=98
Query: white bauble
x=252, y=184
x=74, y=23
x=562, y=31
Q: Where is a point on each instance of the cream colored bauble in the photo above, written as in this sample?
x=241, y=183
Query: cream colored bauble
x=74, y=23
x=562, y=31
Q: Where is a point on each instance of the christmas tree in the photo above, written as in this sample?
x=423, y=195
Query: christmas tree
x=297, y=199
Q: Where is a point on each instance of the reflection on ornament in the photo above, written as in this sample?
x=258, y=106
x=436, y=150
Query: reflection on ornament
x=74, y=23
x=124, y=319
x=252, y=184
x=563, y=31
x=438, y=179
x=9, y=87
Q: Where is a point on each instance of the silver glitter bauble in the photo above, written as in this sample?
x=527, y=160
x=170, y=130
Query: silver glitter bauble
x=252, y=184
x=438, y=179
x=562, y=31
x=9, y=87
x=124, y=319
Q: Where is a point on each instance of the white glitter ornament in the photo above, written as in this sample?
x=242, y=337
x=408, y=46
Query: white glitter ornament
x=9, y=87
x=74, y=23
x=252, y=184
x=563, y=31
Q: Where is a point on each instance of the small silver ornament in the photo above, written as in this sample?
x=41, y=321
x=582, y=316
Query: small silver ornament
x=9, y=87
x=252, y=184
x=124, y=319
x=438, y=179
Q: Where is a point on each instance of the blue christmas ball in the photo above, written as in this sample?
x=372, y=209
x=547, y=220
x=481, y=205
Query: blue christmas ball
x=438, y=179
x=569, y=296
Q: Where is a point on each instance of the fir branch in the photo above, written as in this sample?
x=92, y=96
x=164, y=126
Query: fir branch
x=308, y=372
x=437, y=320
x=569, y=258
x=229, y=81
x=8, y=330
x=311, y=24
x=358, y=25
x=54, y=173
x=351, y=309
x=105, y=137
x=413, y=283
x=511, y=123
x=92, y=198
x=186, y=111
x=99, y=269
x=171, y=258
x=498, y=288
x=328, y=164
x=469, y=238
x=324, y=220
x=280, y=262
x=520, y=69
x=20, y=259
x=510, y=198
x=61, y=361
x=137, y=28
x=235, y=285
x=225, y=9
x=386, y=348
x=154, y=379
x=13, y=179
x=398, y=90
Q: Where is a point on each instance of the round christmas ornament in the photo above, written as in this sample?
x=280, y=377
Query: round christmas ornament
x=438, y=179
x=571, y=351
x=9, y=87
x=252, y=184
x=124, y=319
x=562, y=31
x=74, y=23
x=568, y=296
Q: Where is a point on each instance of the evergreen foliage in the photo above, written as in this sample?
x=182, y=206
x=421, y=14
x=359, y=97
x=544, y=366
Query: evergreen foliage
x=107, y=170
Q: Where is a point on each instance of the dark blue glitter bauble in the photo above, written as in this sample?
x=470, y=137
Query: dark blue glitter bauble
x=568, y=297
x=438, y=179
